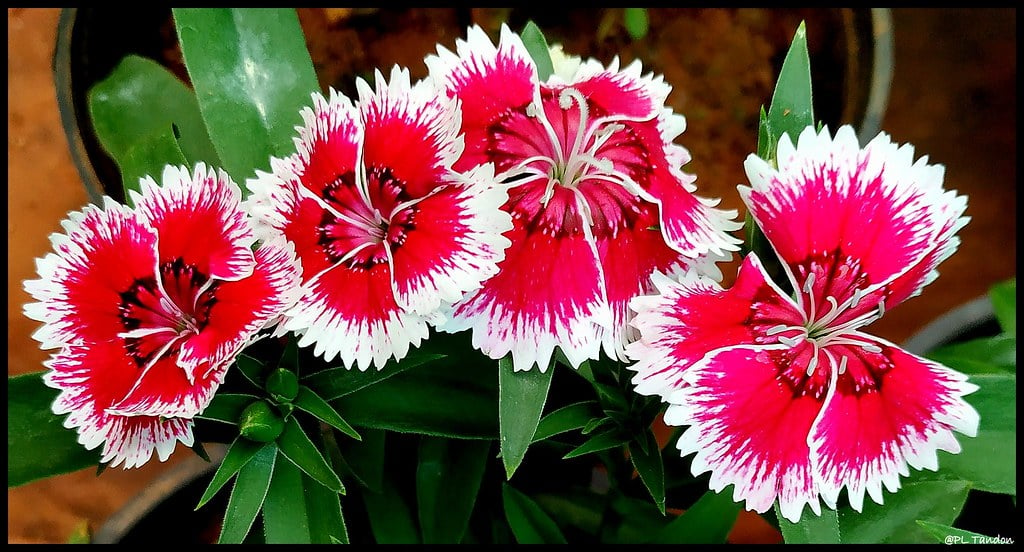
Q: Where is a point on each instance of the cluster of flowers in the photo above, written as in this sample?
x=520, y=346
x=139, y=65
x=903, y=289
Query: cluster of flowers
x=535, y=214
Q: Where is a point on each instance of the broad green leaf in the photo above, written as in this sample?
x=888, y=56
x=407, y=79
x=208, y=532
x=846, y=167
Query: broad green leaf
x=529, y=523
x=252, y=369
x=310, y=402
x=791, y=110
x=252, y=75
x=141, y=99
x=297, y=447
x=651, y=470
x=285, y=517
x=986, y=355
x=636, y=22
x=567, y=418
x=602, y=441
x=896, y=521
x=708, y=521
x=521, y=398
x=448, y=478
x=247, y=495
x=391, y=519
x=239, y=454
x=335, y=383
x=988, y=461
x=450, y=397
x=951, y=535
x=227, y=407
x=147, y=156
x=365, y=459
x=38, y=444
x=537, y=46
x=811, y=529
x=1004, y=303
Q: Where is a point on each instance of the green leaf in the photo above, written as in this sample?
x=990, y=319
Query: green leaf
x=252, y=75
x=708, y=521
x=247, y=496
x=791, y=109
x=323, y=508
x=651, y=470
x=521, y=398
x=602, y=441
x=986, y=355
x=252, y=369
x=365, y=459
x=310, y=402
x=239, y=454
x=896, y=521
x=636, y=22
x=765, y=148
x=447, y=481
x=1004, y=303
x=582, y=509
x=335, y=383
x=987, y=462
x=446, y=398
x=298, y=448
x=147, y=156
x=391, y=518
x=811, y=529
x=38, y=444
x=141, y=99
x=567, y=418
x=537, y=46
x=951, y=535
x=285, y=517
x=227, y=407
x=529, y=523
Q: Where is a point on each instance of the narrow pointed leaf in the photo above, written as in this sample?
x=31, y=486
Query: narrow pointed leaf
x=247, y=495
x=529, y=523
x=811, y=529
x=310, y=402
x=252, y=369
x=298, y=448
x=599, y=442
x=38, y=444
x=951, y=535
x=448, y=478
x=391, y=519
x=708, y=521
x=1004, y=303
x=285, y=517
x=521, y=398
x=791, y=109
x=651, y=470
x=537, y=46
x=252, y=74
x=365, y=458
x=227, y=407
x=238, y=455
x=326, y=520
x=335, y=383
x=567, y=418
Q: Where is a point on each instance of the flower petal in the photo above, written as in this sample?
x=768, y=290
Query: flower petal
x=205, y=203
x=455, y=245
x=856, y=218
x=548, y=290
x=242, y=308
x=90, y=378
x=473, y=76
x=889, y=409
x=689, y=320
x=102, y=253
x=749, y=425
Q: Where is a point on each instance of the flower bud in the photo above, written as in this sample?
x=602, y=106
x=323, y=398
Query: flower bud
x=260, y=422
x=282, y=385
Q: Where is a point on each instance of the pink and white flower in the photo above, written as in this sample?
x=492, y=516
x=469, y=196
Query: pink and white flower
x=789, y=399
x=597, y=197
x=149, y=307
x=386, y=231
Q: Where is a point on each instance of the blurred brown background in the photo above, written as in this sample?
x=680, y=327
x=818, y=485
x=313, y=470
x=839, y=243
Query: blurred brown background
x=953, y=96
